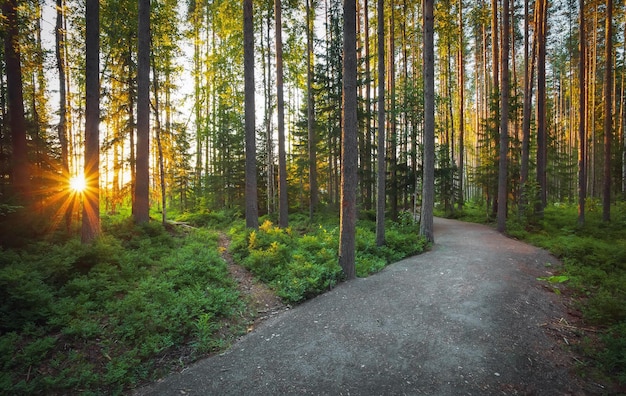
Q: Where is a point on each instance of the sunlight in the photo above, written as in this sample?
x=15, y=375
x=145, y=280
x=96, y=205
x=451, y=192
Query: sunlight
x=77, y=183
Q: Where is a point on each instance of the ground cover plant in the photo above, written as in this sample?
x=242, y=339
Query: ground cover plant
x=301, y=261
x=594, y=269
x=100, y=318
x=142, y=301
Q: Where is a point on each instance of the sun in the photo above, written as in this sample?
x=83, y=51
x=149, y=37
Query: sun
x=77, y=183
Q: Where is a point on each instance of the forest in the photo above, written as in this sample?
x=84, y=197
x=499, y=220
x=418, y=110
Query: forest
x=318, y=137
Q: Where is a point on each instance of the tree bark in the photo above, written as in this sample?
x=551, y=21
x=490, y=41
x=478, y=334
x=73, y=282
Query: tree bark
x=142, y=168
x=608, y=115
x=380, y=165
x=428, y=181
x=311, y=113
x=541, y=107
x=252, y=210
x=461, y=196
x=91, y=200
x=504, y=121
x=283, y=200
x=349, y=145
x=582, y=134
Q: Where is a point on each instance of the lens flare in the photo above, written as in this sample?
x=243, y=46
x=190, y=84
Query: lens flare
x=77, y=183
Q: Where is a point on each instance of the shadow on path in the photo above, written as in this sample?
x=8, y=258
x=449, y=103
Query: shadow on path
x=466, y=318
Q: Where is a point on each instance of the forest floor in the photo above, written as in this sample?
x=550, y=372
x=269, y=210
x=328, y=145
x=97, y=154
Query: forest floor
x=470, y=317
x=263, y=303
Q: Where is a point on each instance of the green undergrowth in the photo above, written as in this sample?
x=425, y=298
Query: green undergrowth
x=594, y=268
x=300, y=262
x=101, y=318
x=141, y=301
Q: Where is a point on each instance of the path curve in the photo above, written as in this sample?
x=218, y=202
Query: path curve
x=466, y=318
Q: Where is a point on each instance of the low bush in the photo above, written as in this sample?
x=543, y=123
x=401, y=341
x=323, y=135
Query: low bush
x=301, y=265
x=98, y=317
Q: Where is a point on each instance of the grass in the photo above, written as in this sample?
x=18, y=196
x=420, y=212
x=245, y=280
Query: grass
x=594, y=268
x=141, y=301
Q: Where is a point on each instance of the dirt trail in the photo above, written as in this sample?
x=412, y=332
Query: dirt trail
x=466, y=318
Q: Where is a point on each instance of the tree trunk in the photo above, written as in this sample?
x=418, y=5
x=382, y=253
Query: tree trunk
x=391, y=120
x=142, y=169
x=20, y=174
x=349, y=145
x=369, y=172
x=504, y=121
x=311, y=113
x=381, y=171
x=460, y=195
x=428, y=181
x=582, y=134
x=91, y=200
x=252, y=210
x=541, y=107
x=159, y=142
x=608, y=118
x=283, y=200
x=59, y=36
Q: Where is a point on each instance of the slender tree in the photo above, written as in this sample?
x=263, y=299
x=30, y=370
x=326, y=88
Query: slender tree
x=582, y=134
x=91, y=204
x=252, y=208
x=349, y=145
x=542, y=140
x=504, y=121
x=312, y=136
x=608, y=118
x=60, y=59
x=380, y=160
x=283, y=199
x=428, y=179
x=20, y=174
x=460, y=194
x=141, y=202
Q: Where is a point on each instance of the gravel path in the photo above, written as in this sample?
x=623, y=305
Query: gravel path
x=466, y=318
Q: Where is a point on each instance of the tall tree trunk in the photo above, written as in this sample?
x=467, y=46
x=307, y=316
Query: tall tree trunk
x=391, y=119
x=582, y=134
x=59, y=35
x=349, y=145
x=311, y=112
x=380, y=165
x=252, y=210
x=267, y=86
x=504, y=121
x=91, y=203
x=159, y=142
x=20, y=174
x=283, y=200
x=525, y=113
x=142, y=188
x=608, y=115
x=460, y=194
x=541, y=108
x=369, y=172
x=428, y=181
